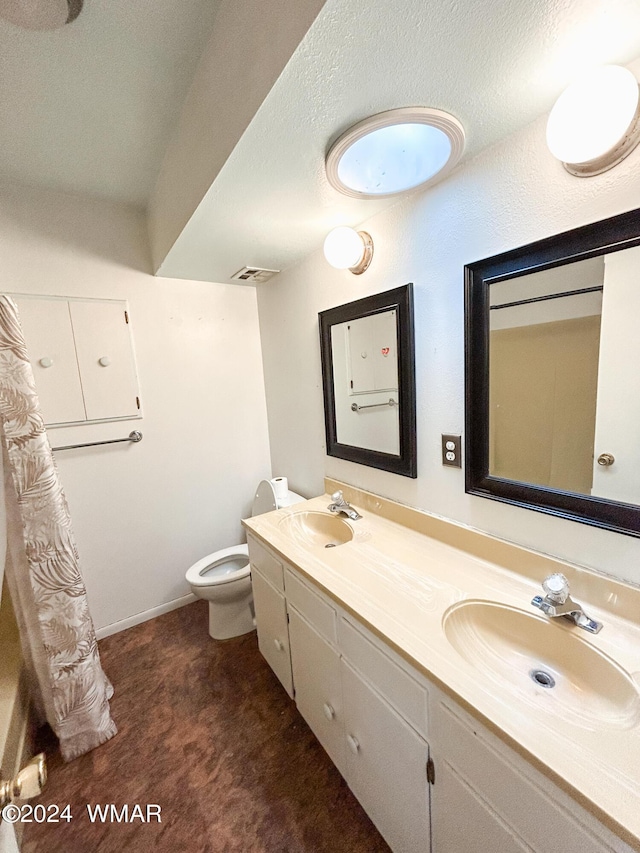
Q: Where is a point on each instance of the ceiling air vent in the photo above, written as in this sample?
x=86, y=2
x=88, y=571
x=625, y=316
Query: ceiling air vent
x=253, y=275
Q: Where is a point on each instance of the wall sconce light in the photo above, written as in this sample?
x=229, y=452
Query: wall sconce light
x=595, y=123
x=347, y=249
x=40, y=14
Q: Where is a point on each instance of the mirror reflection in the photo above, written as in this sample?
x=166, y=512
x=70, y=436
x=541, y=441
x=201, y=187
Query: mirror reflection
x=365, y=382
x=368, y=380
x=564, y=384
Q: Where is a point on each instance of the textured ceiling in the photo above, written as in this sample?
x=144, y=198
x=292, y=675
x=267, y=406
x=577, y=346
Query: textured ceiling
x=495, y=64
x=90, y=107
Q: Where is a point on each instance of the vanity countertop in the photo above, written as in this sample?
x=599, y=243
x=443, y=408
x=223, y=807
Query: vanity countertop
x=402, y=572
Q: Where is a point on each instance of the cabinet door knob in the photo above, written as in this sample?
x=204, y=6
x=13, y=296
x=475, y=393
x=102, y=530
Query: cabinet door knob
x=279, y=645
x=328, y=711
x=354, y=746
x=105, y=361
x=606, y=459
x=46, y=362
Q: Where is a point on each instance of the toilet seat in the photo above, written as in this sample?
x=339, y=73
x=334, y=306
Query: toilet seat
x=223, y=579
x=220, y=567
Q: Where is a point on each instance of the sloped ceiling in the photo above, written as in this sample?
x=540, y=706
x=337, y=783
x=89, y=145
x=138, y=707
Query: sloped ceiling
x=495, y=65
x=89, y=108
x=92, y=107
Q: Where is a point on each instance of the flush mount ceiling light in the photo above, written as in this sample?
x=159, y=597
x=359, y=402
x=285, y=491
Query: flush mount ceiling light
x=394, y=152
x=595, y=123
x=347, y=249
x=40, y=14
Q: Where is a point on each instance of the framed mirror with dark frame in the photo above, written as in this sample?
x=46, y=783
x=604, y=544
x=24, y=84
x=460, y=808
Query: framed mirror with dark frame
x=368, y=371
x=552, y=375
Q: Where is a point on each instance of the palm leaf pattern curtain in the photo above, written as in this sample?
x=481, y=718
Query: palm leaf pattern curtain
x=68, y=685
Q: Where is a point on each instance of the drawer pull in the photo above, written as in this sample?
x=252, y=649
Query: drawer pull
x=279, y=645
x=329, y=713
x=354, y=746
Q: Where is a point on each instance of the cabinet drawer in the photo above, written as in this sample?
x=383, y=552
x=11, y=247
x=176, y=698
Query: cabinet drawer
x=535, y=813
x=266, y=562
x=312, y=606
x=406, y=695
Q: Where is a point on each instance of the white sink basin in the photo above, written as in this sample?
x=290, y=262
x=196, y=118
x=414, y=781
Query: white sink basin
x=546, y=661
x=317, y=529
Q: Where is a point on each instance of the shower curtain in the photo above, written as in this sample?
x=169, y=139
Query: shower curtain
x=68, y=685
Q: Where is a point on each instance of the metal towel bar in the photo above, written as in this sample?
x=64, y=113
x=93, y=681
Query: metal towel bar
x=356, y=408
x=134, y=436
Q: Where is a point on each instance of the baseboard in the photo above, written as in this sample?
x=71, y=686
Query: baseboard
x=138, y=618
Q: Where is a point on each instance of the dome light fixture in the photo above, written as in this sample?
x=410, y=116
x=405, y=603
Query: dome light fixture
x=348, y=249
x=595, y=123
x=40, y=14
x=394, y=152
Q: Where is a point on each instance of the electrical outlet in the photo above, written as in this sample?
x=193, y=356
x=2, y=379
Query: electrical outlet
x=452, y=450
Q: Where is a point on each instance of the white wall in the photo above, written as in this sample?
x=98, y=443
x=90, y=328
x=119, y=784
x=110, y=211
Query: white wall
x=144, y=513
x=510, y=195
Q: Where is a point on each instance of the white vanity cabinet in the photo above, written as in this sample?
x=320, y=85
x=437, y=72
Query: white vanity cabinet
x=486, y=797
x=386, y=765
x=271, y=612
x=344, y=701
x=367, y=733
x=315, y=661
x=318, y=686
x=431, y=777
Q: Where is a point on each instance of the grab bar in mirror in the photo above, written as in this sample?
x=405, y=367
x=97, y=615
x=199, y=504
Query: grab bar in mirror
x=356, y=408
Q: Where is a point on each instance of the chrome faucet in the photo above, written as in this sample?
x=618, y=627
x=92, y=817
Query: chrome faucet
x=339, y=505
x=558, y=602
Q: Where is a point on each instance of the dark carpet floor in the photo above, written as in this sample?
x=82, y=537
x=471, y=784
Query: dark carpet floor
x=207, y=733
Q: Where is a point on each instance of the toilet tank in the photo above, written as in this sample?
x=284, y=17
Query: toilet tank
x=265, y=498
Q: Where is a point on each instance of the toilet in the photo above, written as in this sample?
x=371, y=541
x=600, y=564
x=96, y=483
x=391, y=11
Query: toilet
x=224, y=579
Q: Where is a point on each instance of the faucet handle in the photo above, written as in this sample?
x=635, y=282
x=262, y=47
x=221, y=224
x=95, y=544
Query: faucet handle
x=336, y=497
x=557, y=588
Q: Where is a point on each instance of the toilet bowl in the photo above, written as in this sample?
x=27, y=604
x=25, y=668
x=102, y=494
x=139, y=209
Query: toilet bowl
x=224, y=578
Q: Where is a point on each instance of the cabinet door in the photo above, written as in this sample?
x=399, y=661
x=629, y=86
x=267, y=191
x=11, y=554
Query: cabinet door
x=105, y=359
x=273, y=629
x=463, y=822
x=318, y=688
x=486, y=797
x=386, y=763
x=46, y=324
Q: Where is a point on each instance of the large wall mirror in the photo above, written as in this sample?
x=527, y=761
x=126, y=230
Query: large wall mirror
x=368, y=373
x=553, y=375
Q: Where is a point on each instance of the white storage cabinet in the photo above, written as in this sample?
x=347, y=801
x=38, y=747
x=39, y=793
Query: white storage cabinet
x=82, y=356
